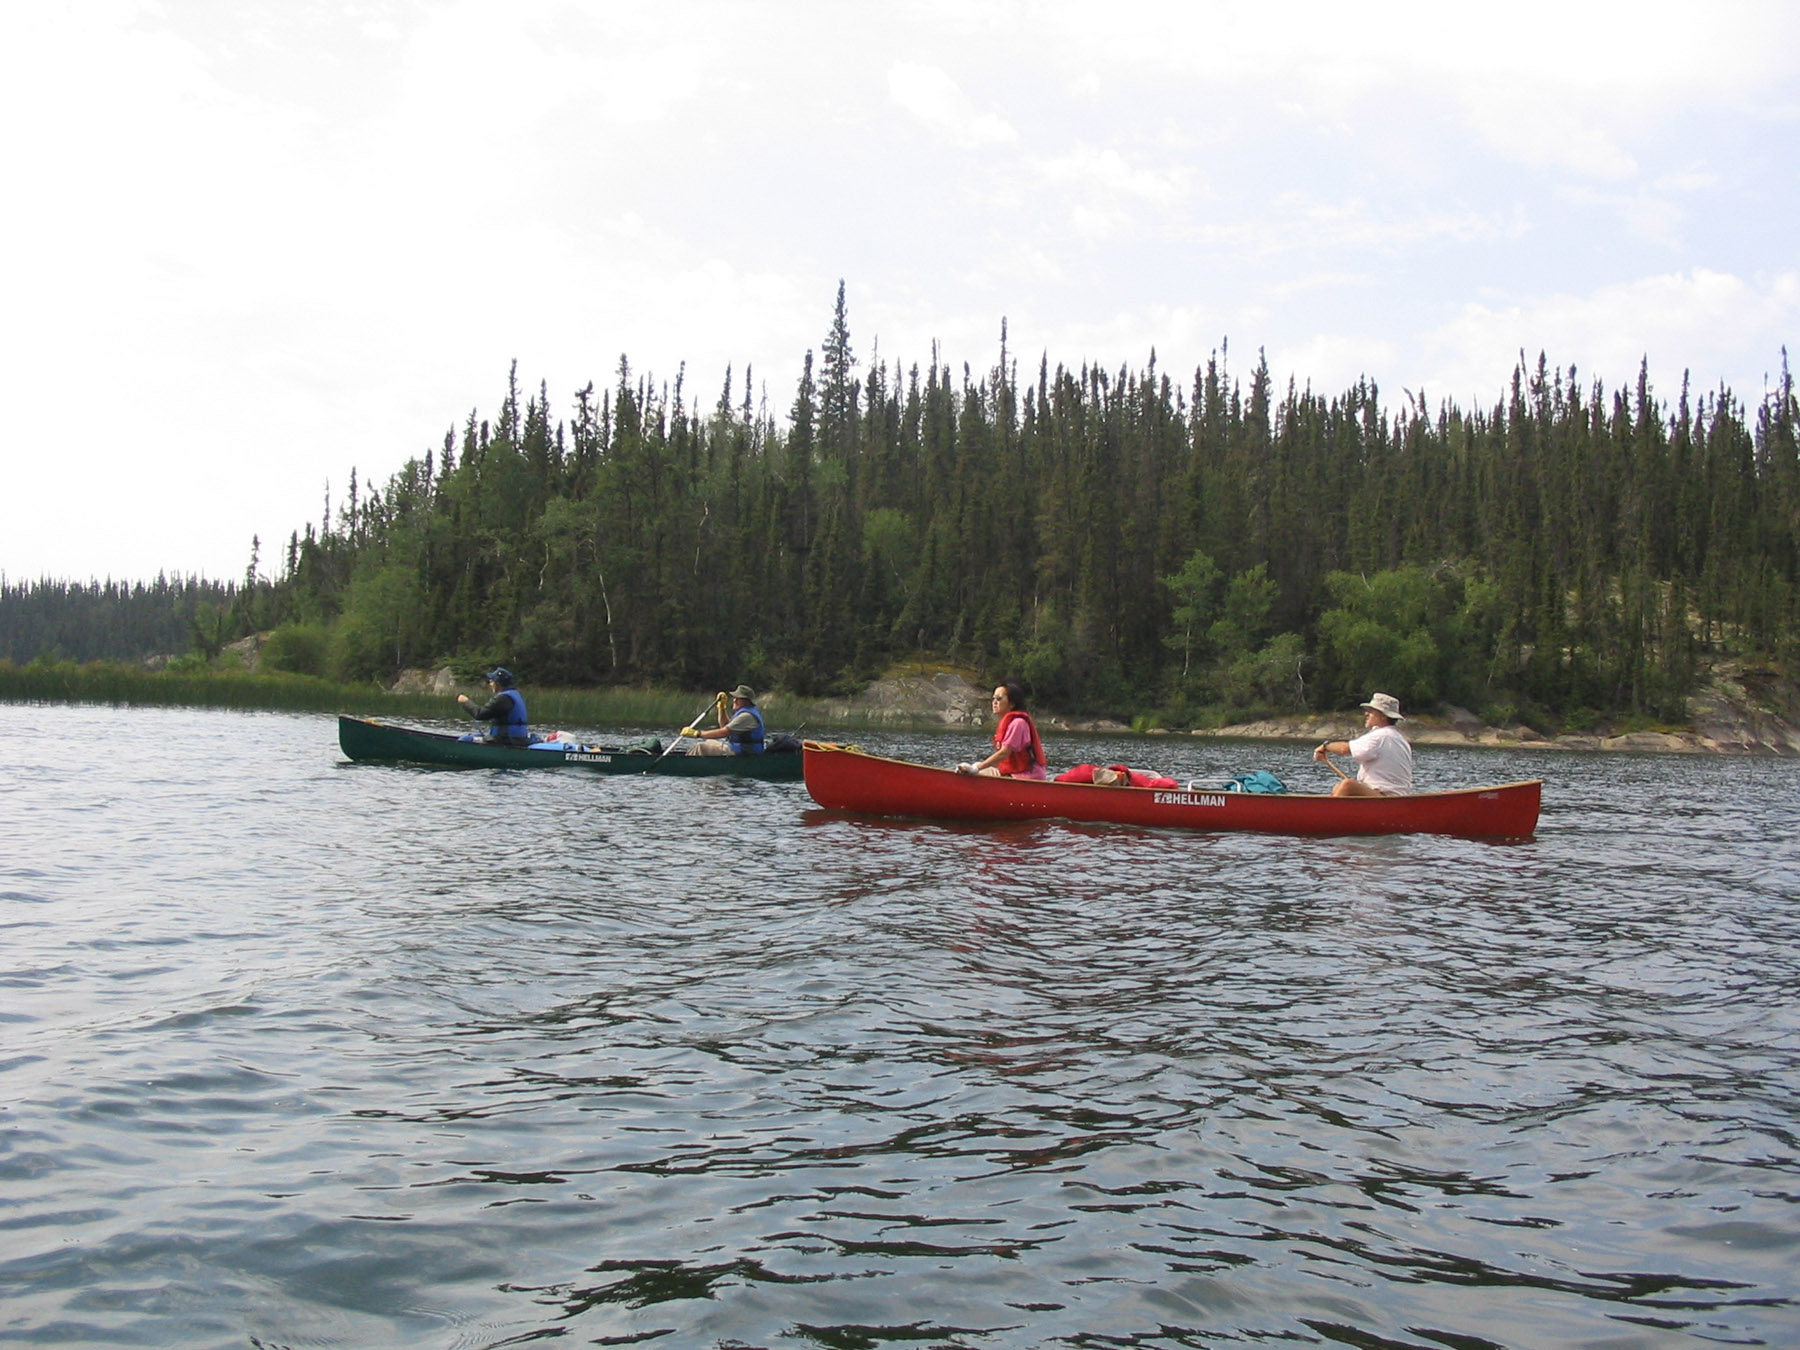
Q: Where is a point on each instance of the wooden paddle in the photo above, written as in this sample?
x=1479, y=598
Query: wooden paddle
x=1333, y=763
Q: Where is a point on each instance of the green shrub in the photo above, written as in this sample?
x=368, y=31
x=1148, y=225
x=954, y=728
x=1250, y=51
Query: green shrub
x=297, y=649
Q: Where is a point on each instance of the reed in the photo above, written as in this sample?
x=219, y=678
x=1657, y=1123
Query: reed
x=126, y=685
x=106, y=682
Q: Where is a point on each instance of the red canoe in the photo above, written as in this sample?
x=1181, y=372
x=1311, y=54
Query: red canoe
x=844, y=778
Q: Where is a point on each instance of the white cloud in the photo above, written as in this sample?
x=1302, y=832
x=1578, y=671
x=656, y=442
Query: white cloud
x=1323, y=281
x=1105, y=191
x=1657, y=212
x=1294, y=223
x=1331, y=363
x=936, y=100
x=1108, y=172
x=1545, y=84
x=1609, y=332
x=471, y=83
x=1544, y=127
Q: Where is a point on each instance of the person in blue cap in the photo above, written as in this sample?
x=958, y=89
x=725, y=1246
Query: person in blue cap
x=504, y=712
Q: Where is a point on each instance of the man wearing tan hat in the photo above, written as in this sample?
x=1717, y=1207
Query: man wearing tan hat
x=741, y=733
x=1383, y=756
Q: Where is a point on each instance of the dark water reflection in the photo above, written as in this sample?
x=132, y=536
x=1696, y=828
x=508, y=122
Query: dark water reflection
x=299, y=1052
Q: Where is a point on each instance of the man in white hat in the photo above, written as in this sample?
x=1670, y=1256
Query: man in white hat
x=1383, y=756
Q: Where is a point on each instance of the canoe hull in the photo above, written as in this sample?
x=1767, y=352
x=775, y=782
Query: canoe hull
x=845, y=779
x=371, y=742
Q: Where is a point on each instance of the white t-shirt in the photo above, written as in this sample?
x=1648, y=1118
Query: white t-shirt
x=1383, y=760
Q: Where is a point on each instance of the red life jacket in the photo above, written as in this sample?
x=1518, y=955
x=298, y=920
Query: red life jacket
x=1084, y=773
x=1019, y=761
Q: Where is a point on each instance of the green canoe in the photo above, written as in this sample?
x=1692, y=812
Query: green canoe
x=370, y=742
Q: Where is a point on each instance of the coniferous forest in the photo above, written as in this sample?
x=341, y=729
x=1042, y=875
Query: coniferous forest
x=1205, y=544
x=115, y=620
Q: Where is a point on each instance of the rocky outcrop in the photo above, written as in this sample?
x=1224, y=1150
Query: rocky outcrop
x=248, y=650
x=942, y=696
x=1749, y=710
x=442, y=683
x=945, y=696
x=1740, y=710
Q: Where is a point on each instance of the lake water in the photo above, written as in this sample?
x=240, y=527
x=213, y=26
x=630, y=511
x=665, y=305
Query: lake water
x=304, y=1053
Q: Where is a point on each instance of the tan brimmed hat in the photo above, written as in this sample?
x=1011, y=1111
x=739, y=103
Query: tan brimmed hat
x=1387, y=705
x=744, y=692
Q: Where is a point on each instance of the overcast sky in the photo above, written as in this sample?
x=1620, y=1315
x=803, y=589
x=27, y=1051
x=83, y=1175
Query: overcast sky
x=251, y=244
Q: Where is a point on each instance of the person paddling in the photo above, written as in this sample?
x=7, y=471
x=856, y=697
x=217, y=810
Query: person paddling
x=743, y=733
x=504, y=712
x=1018, y=749
x=1384, y=762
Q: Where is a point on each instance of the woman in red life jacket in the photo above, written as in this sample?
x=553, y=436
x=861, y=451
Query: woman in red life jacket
x=1018, y=750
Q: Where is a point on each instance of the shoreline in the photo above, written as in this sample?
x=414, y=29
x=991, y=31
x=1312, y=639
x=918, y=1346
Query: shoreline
x=1740, y=710
x=1426, y=733
x=1737, y=713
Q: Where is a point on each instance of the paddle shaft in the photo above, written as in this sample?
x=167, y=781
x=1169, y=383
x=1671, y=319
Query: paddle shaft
x=1333, y=764
x=696, y=722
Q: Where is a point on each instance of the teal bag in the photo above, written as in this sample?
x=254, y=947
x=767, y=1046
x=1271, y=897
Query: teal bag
x=1257, y=780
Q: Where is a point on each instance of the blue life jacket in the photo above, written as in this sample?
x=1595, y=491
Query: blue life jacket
x=748, y=742
x=511, y=725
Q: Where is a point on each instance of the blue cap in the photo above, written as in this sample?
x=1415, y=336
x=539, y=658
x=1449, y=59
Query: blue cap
x=501, y=676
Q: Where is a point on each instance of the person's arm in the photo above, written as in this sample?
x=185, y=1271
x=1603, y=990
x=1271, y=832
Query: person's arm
x=740, y=722
x=987, y=763
x=487, y=712
x=711, y=733
x=1018, y=737
x=727, y=719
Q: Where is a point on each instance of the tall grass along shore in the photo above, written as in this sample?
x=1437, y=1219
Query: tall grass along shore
x=123, y=685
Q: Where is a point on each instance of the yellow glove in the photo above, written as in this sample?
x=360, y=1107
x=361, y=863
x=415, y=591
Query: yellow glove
x=690, y=731
x=722, y=703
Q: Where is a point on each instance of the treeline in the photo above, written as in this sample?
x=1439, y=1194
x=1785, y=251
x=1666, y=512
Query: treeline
x=48, y=620
x=1207, y=546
